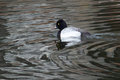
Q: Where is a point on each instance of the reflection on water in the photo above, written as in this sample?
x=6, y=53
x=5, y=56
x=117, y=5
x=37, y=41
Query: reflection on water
x=27, y=40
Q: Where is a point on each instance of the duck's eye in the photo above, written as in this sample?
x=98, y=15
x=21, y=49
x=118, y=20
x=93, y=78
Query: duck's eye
x=58, y=24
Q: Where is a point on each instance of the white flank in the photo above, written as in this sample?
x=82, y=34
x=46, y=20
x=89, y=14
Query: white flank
x=70, y=34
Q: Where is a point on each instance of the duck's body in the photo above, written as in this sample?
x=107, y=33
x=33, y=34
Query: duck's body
x=70, y=35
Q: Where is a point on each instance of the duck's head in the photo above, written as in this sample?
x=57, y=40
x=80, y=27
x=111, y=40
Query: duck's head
x=61, y=24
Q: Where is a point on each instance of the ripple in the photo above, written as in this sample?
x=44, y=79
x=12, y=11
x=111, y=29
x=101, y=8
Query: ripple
x=93, y=58
x=27, y=46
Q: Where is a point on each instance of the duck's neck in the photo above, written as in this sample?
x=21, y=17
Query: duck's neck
x=62, y=28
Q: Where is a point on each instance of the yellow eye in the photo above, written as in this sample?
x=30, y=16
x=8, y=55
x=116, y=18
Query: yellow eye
x=58, y=24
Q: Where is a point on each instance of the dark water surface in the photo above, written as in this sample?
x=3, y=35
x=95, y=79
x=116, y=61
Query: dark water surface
x=27, y=34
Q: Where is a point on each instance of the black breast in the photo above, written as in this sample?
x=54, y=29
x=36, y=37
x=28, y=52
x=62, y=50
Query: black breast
x=58, y=35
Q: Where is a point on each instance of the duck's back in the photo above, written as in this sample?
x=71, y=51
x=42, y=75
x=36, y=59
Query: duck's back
x=70, y=34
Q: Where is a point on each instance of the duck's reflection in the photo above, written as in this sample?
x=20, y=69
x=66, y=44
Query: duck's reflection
x=60, y=45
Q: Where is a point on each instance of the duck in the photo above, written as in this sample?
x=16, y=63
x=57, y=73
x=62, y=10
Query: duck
x=70, y=35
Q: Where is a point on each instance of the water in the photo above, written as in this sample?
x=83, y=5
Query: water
x=27, y=36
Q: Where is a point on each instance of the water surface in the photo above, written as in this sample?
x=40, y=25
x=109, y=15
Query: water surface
x=27, y=34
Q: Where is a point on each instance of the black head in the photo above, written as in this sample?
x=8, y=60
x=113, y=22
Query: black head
x=61, y=24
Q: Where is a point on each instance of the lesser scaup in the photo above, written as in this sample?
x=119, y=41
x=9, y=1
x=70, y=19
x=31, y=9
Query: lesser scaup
x=70, y=35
